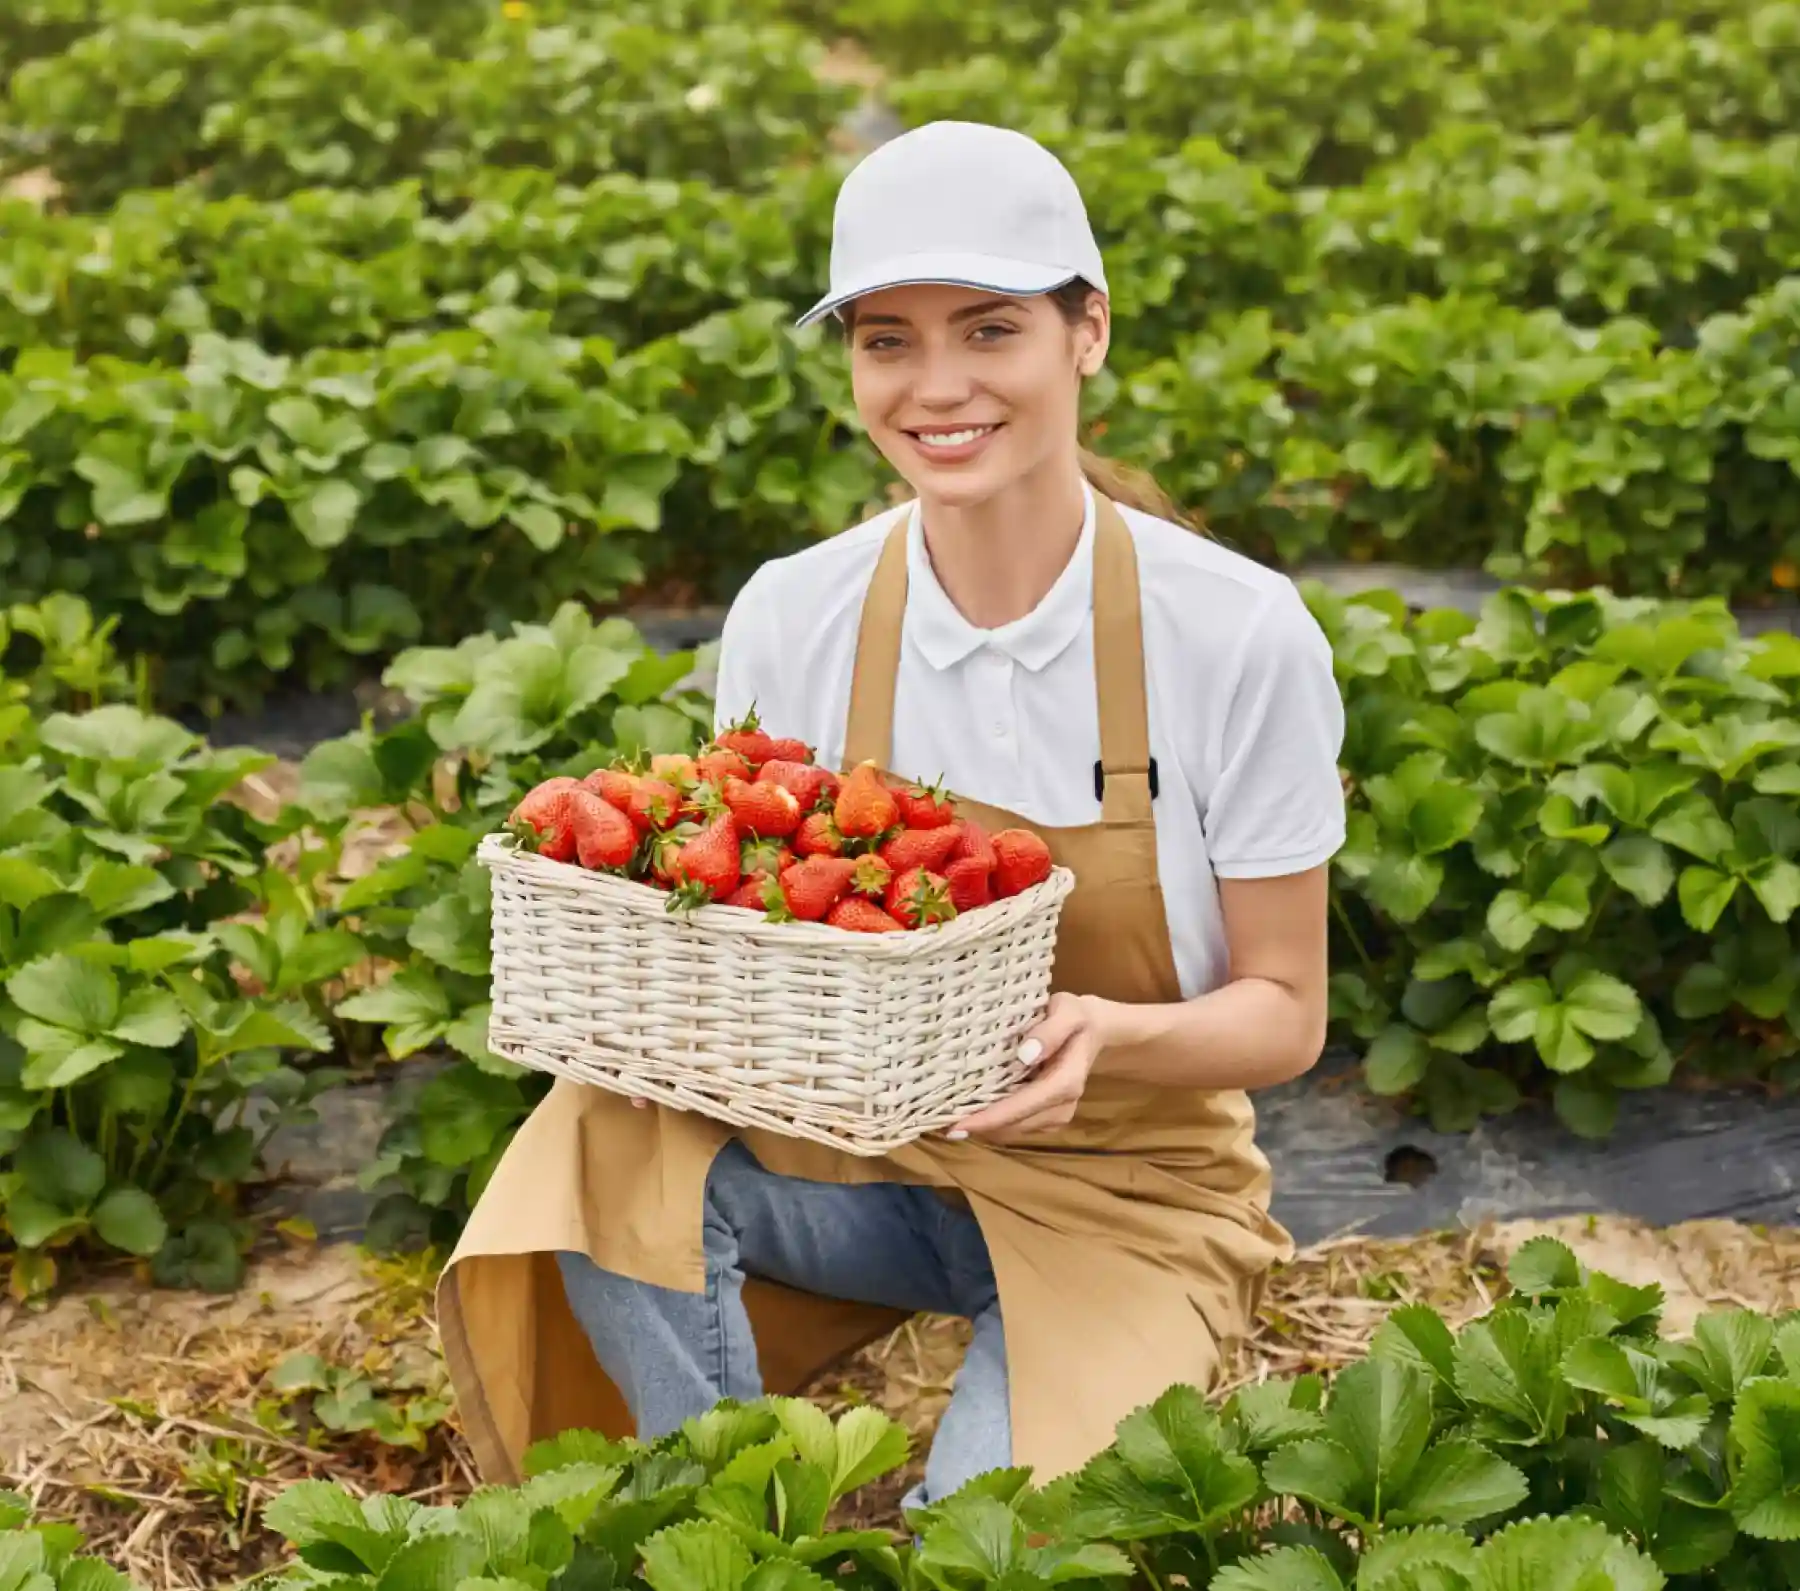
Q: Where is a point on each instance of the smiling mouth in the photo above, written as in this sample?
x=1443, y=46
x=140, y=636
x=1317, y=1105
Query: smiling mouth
x=961, y=437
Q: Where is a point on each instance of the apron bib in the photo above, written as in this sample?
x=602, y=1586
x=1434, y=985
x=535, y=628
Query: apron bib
x=1126, y=1246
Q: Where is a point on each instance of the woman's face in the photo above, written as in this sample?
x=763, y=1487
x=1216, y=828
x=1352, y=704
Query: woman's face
x=967, y=393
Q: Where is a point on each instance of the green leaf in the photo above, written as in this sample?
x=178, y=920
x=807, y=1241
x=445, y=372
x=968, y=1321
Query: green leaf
x=1169, y=1469
x=433, y=1563
x=325, y=513
x=68, y=992
x=116, y=889
x=1405, y=1560
x=1765, y=1439
x=1380, y=1410
x=1398, y=1060
x=1704, y=893
x=1513, y=1012
x=869, y=1445
x=1443, y=817
x=1319, y=1471
x=151, y=1017
x=58, y=1167
x=1284, y=1569
x=129, y=1219
x=1459, y=1482
x=1640, y=866
x=1602, y=1006
x=1543, y=1266
x=59, y=1057
x=23, y=881
x=1566, y=1554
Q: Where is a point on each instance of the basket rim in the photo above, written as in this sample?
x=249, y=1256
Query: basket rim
x=500, y=852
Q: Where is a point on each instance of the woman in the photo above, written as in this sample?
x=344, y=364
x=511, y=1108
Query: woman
x=1035, y=630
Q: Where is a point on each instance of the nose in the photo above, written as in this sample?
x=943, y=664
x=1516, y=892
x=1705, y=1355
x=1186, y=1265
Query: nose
x=941, y=378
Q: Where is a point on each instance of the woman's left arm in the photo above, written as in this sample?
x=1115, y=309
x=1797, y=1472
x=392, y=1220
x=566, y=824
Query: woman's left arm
x=1273, y=817
x=1266, y=1025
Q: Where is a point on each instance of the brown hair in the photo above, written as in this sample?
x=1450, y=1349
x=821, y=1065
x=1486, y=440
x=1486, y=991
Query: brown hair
x=1126, y=484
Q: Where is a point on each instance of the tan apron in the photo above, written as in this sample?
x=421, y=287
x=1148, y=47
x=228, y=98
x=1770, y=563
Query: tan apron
x=1126, y=1247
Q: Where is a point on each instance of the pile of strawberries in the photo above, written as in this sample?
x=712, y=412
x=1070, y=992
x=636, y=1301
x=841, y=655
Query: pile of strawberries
x=752, y=822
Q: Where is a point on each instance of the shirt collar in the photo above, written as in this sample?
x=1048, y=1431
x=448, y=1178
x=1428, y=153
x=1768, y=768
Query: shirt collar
x=945, y=637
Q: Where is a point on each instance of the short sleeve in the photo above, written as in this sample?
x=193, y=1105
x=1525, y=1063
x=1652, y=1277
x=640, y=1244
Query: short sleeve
x=1277, y=804
x=747, y=664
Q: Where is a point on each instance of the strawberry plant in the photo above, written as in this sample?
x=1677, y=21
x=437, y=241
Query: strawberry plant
x=1572, y=850
x=1558, y=1441
x=503, y=713
x=267, y=99
x=44, y=1555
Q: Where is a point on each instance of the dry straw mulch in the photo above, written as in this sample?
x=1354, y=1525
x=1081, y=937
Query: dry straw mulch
x=147, y=1416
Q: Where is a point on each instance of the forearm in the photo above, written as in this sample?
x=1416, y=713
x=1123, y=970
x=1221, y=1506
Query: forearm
x=1251, y=1033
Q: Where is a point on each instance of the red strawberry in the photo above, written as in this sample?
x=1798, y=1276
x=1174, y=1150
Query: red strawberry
x=818, y=836
x=807, y=784
x=655, y=804
x=612, y=785
x=872, y=877
x=604, y=836
x=865, y=807
x=707, y=866
x=753, y=895
x=544, y=809
x=769, y=810
x=811, y=888
x=971, y=883
x=766, y=858
x=720, y=765
x=1021, y=859
x=747, y=738
x=861, y=916
x=918, y=897
x=790, y=751
x=974, y=842
x=923, y=806
x=666, y=847
x=928, y=848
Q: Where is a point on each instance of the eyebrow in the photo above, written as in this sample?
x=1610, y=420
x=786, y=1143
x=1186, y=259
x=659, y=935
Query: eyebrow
x=986, y=307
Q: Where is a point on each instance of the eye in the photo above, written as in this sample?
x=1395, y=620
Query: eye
x=880, y=343
x=993, y=331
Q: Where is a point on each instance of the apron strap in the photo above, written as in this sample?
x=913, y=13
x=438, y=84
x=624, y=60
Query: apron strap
x=1118, y=664
x=869, y=728
x=1126, y=772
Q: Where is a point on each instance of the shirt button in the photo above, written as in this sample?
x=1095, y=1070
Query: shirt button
x=999, y=730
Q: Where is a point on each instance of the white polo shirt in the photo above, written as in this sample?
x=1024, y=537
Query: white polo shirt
x=1246, y=722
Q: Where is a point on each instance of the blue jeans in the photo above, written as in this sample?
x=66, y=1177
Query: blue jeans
x=673, y=1355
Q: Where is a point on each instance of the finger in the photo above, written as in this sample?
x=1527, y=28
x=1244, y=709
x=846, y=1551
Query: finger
x=1056, y=1086
x=638, y=1103
x=1061, y=1022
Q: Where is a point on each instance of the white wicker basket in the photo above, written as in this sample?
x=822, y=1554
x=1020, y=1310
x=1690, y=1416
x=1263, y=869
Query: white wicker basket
x=863, y=1042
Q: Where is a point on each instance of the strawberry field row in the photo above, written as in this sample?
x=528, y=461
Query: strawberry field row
x=1563, y=1440
x=304, y=513
x=1573, y=868
x=268, y=99
x=1666, y=224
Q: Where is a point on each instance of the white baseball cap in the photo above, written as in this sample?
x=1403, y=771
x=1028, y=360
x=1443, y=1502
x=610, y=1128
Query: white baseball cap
x=963, y=204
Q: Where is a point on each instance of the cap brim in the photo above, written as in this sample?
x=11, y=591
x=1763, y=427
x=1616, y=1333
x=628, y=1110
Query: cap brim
x=983, y=272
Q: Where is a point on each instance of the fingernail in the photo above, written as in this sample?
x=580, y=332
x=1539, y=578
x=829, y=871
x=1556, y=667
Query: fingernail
x=1029, y=1052
x=956, y=1135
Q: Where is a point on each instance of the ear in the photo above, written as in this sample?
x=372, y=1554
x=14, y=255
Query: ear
x=1093, y=335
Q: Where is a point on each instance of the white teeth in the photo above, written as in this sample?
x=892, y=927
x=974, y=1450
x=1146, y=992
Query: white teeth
x=953, y=438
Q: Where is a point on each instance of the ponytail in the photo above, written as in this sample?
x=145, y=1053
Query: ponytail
x=1130, y=487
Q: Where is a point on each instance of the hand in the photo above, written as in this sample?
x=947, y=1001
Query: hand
x=1061, y=1050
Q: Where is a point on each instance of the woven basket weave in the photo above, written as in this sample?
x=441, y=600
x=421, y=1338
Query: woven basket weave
x=863, y=1042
